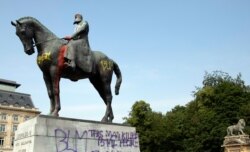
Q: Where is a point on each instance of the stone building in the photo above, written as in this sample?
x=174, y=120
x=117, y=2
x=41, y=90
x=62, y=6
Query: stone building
x=15, y=108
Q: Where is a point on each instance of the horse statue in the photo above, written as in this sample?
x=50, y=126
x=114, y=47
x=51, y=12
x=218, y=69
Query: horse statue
x=238, y=128
x=50, y=59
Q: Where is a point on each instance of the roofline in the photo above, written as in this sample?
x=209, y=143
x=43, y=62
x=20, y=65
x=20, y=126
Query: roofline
x=9, y=82
x=15, y=92
x=33, y=110
x=22, y=94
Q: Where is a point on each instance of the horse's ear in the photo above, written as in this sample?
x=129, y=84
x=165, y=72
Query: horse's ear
x=19, y=23
x=12, y=23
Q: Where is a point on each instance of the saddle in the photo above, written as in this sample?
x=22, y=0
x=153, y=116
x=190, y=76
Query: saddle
x=76, y=54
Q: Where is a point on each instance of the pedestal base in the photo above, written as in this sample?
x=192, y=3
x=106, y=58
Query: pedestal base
x=240, y=143
x=56, y=134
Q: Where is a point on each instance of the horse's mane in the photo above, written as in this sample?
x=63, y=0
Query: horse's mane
x=29, y=19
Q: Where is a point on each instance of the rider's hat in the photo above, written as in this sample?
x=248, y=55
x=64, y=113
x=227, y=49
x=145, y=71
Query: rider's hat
x=78, y=18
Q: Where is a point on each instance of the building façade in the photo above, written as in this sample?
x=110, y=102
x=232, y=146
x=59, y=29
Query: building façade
x=15, y=108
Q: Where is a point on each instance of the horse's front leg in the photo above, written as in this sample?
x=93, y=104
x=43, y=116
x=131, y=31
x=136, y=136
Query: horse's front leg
x=56, y=91
x=241, y=131
x=48, y=82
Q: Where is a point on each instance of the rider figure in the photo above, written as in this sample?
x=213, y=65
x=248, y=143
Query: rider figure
x=80, y=38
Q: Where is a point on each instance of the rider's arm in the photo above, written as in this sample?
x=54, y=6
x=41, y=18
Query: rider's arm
x=83, y=28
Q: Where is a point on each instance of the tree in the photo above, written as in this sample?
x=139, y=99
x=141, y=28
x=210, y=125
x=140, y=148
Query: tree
x=218, y=104
x=174, y=124
x=148, y=124
x=198, y=126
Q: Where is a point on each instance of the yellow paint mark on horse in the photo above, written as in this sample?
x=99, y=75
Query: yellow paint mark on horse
x=106, y=65
x=44, y=57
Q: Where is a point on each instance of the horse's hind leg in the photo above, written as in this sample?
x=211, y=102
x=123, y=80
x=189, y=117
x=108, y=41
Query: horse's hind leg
x=104, y=91
x=107, y=95
x=108, y=117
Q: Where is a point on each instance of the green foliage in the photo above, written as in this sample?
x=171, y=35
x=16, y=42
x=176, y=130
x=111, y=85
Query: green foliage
x=198, y=126
x=148, y=124
x=218, y=104
x=174, y=124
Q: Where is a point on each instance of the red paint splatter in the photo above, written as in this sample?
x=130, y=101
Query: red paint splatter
x=60, y=66
x=60, y=59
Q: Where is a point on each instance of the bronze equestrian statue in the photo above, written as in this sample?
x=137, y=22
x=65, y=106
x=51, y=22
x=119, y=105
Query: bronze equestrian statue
x=51, y=60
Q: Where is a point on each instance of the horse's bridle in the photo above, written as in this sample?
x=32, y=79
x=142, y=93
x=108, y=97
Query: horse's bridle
x=35, y=44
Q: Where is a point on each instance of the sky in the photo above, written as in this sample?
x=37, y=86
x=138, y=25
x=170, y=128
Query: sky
x=163, y=48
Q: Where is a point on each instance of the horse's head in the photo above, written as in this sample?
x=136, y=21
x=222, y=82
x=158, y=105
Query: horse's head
x=26, y=34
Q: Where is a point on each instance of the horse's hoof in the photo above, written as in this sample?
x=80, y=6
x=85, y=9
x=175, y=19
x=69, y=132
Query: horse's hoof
x=55, y=114
x=104, y=119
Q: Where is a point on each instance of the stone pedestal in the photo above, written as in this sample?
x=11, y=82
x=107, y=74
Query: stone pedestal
x=57, y=134
x=240, y=143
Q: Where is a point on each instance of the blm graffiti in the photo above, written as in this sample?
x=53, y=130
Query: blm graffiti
x=94, y=140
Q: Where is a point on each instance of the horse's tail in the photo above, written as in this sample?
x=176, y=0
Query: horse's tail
x=118, y=76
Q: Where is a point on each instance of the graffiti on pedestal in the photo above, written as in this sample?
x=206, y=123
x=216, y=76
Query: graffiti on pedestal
x=76, y=140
